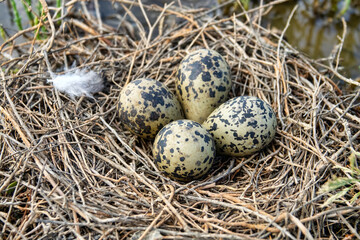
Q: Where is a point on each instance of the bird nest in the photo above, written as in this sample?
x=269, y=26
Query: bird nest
x=68, y=168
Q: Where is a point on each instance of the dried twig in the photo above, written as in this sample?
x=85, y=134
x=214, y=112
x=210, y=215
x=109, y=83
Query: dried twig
x=69, y=166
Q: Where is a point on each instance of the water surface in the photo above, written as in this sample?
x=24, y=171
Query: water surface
x=313, y=31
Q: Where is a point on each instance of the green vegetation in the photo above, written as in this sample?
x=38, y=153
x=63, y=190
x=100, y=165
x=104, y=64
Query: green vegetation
x=245, y=4
x=235, y=7
x=10, y=189
x=17, y=18
x=27, y=4
x=58, y=5
x=39, y=16
x=333, y=8
x=2, y=33
x=344, y=185
x=345, y=7
x=34, y=17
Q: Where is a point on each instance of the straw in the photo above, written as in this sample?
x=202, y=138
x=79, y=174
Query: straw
x=74, y=171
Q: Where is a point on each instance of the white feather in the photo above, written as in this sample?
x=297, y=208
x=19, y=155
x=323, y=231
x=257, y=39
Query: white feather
x=78, y=83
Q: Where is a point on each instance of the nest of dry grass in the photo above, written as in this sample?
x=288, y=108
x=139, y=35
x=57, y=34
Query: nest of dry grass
x=68, y=169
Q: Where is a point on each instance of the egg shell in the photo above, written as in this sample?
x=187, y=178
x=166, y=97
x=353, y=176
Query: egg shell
x=242, y=126
x=184, y=150
x=202, y=83
x=147, y=105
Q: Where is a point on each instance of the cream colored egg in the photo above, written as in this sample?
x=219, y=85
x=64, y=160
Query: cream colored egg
x=184, y=150
x=242, y=126
x=147, y=105
x=202, y=83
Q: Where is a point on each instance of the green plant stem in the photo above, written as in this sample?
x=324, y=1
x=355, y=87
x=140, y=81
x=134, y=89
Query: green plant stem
x=40, y=14
x=245, y=4
x=27, y=4
x=2, y=33
x=58, y=5
x=17, y=18
x=345, y=8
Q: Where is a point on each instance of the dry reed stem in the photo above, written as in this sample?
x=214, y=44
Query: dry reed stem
x=76, y=172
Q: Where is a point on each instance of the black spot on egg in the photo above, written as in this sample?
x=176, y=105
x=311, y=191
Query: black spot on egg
x=213, y=127
x=224, y=120
x=195, y=93
x=208, y=139
x=133, y=112
x=206, y=77
x=152, y=99
x=154, y=116
x=218, y=74
x=221, y=88
x=137, y=82
x=195, y=69
x=252, y=123
x=211, y=93
x=207, y=61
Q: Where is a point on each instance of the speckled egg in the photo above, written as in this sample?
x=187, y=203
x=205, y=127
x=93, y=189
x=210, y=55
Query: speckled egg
x=184, y=150
x=147, y=105
x=202, y=83
x=242, y=126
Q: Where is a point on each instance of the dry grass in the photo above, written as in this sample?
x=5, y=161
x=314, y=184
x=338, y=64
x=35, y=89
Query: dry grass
x=75, y=172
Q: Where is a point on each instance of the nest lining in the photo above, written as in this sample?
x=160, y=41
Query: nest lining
x=74, y=171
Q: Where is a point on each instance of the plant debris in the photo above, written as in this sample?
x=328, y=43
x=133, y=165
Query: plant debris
x=75, y=172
